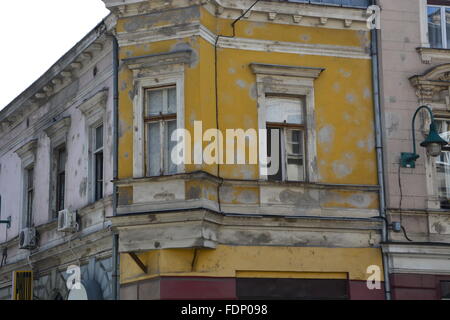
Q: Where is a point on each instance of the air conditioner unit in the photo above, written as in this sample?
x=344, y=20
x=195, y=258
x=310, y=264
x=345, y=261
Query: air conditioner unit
x=67, y=221
x=27, y=238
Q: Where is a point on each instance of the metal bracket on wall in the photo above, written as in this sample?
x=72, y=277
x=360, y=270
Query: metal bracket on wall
x=7, y=222
x=138, y=261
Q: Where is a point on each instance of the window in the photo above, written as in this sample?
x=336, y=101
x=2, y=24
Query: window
x=286, y=100
x=160, y=122
x=438, y=24
x=445, y=290
x=29, y=189
x=291, y=289
x=61, y=158
x=98, y=162
x=286, y=115
x=27, y=154
x=443, y=166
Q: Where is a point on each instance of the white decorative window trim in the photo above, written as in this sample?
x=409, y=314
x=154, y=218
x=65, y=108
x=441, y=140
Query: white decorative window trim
x=27, y=154
x=433, y=89
x=434, y=55
x=94, y=111
x=150, y=72
x=295, y=81
x=94, y=108
x=57, y=132
x=423, y=12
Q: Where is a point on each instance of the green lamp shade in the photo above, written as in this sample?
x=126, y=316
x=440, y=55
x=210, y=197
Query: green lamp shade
x=433, y=142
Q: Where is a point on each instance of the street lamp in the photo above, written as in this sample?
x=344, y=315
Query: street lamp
x=433, y=143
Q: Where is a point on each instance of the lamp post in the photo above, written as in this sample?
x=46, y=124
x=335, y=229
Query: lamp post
x=7, y=222
x=433, y=143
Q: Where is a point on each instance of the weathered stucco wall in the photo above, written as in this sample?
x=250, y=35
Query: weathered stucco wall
x=343, y=106
x=346, y=190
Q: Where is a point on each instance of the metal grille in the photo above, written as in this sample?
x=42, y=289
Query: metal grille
x=23, y=285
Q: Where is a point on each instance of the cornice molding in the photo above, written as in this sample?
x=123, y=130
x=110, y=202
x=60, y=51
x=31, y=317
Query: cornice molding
x=434, y=55
x=140, y=64
x=60, y=127
x=28, y=150
x=95, y=103
x=270, y=11
x=432, y=82
x=287, y=71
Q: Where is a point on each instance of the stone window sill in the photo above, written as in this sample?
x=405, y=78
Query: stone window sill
x=434, y=55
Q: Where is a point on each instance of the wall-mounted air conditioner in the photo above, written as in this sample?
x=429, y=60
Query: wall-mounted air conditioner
x=28, y=238
x=67, y=221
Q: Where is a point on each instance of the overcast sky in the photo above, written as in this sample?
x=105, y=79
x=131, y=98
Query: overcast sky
x=36, y=33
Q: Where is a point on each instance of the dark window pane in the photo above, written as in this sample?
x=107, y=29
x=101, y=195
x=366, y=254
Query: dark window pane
x=447, y=25
x=60, y=191
x=61, y=179
x=434, y=27
x=98, y=176
x=61, y=160
x=99, y=138
x=30, y=197
x=292, y=289
x=445, y=289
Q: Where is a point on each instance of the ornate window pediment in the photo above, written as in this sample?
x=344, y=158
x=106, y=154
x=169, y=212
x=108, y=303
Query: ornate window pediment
x=433, y=86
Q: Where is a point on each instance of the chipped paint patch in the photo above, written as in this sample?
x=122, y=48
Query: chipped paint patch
x=341, y=169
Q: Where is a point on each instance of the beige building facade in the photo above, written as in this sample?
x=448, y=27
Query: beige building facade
x=414, y=71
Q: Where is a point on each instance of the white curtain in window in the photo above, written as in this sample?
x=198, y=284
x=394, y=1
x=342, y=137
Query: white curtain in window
x=446, y=160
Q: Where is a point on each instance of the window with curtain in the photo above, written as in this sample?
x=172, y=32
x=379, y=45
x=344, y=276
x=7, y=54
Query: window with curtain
x=285, y=117
x=443, y=165
x=439, y=24
x=160, y=123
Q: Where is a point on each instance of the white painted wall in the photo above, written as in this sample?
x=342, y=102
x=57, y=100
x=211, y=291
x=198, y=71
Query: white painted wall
x=11, y=185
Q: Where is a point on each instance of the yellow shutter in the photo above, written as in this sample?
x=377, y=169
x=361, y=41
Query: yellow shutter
x=23, y=285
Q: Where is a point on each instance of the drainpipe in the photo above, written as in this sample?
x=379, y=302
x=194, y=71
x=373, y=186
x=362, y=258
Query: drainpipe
x=379, y=149
x=115, y=245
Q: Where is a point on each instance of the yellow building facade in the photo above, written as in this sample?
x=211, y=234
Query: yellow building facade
x=221, y=230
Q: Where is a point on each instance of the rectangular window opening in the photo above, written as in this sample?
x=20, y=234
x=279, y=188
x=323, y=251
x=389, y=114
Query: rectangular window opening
x=160, y=122
x=438, y=19
x=29, y=196
x=61, y=158
x=98, y=163
x=443, y=165
x=286, y=115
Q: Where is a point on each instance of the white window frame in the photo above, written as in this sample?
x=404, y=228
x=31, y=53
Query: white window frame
x=155, y=70
x=93, y=164
x=57, y=133
x=284, y=137
x=26, y=186
x=298, y=82
x=443, y=25
x=94, y=111
x=27, y=154
x=435, y=188
x=139, y=145
x=163, y=132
